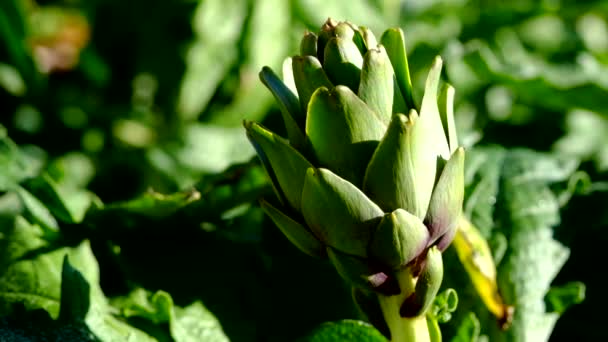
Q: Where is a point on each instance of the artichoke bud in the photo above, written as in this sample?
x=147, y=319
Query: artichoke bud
x=308, y=76
x=399, y=238
x=445, y=207
x=401, y=172
x=285, y=164
x=342, y=61
x=308, y=45
x=338, y=213
x=358, y=273
x=427, y=286
x=295, y=232
x=343, y=132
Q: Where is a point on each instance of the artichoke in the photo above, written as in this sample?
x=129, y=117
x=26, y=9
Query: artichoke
x=365, y=177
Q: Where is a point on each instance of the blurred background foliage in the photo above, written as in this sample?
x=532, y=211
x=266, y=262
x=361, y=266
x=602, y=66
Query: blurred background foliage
x=126, y=122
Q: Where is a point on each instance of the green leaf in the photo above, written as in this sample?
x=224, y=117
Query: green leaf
x=36, y=211
x=218, y=26
x=153, y=204
x=376, y=87
x=346, y=330
x=512, y=188
x=560, y=298
x=192, y=323
x=586, y=137
x=286, y=166
x=549, y=85
x=209, y=148
x=298, y=234
x=67, y=203
x=343, y=132
x=338, y=213
x=75, y=294
x=15, y=166
x=31, y=277
x=401, y=173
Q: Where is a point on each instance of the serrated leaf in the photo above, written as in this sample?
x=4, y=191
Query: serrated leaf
x=520, y=205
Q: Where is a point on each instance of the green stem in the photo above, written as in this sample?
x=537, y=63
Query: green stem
x=414, y=329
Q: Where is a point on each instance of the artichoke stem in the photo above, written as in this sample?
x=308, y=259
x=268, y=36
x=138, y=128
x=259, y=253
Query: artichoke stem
x=410, y=329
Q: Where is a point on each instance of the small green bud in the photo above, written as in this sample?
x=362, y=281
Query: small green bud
x=400, y=238
x=427, y=286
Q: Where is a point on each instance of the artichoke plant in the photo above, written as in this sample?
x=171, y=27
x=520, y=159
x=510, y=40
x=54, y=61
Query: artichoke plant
x=365, y=177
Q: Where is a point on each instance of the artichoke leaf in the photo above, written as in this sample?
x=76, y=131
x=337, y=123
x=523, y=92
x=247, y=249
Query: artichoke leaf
x=342, y=62
x=376, y=87
x=394, y=43
x=295, y=232
x=343, y=132
x=445, y=207
x=401, y=172
x=286, y=166
x=308, y=76
x=338, y=213
x=429, y=114
x=446, y=111
x=289, y=105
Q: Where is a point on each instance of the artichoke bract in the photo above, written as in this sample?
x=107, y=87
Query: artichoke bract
x=365, y=177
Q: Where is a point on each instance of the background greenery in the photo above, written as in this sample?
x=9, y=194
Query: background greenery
x=121, y=146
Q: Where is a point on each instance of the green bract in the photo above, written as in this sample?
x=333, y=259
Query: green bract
x=364, y=177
